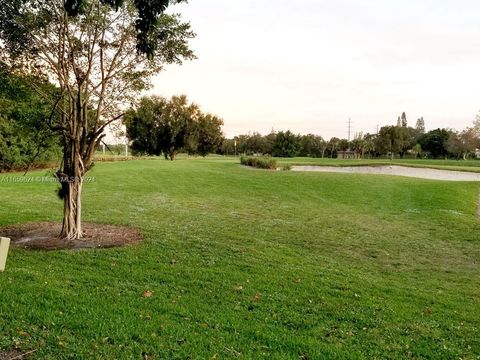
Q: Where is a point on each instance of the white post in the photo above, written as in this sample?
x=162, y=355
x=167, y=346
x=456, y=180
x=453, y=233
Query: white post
x=126, y=150
x=4, y=245
x=103, y=148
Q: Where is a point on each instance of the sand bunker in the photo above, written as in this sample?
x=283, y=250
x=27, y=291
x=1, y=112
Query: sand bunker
x=422, y=173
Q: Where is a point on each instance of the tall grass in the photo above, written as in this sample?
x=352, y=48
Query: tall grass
x=259, y=162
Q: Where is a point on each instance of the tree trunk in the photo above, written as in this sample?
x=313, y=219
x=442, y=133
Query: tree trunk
x=72, y=210
x=71, y=179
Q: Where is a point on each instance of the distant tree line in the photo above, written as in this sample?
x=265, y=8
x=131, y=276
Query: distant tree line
x=160, y=126
x=392, y=141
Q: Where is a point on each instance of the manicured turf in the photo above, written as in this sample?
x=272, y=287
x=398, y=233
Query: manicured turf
x=250, y=264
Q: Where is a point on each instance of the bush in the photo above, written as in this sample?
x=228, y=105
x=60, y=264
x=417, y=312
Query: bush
x=259, y=162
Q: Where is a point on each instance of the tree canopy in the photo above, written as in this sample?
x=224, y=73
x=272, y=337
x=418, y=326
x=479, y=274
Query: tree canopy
x=463, y=143
x=435, y=142
x=286, y=144
x=150, y=32
x=159, y=126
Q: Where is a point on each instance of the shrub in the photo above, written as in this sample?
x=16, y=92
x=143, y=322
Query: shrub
x=259, y=162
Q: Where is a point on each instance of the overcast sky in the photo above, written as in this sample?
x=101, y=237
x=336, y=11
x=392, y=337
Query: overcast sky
x=310, y=65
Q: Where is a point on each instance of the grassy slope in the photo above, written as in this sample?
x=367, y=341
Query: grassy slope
x=267, y=265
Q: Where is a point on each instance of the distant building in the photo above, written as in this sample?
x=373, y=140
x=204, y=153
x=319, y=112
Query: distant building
x=348, y=154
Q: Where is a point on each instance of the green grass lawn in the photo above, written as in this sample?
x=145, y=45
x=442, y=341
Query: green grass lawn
x=249, y=264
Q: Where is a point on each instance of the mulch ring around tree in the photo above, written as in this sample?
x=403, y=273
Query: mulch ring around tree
x=45, y=236
x=13, y=354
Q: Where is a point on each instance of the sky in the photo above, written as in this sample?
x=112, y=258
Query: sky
x=310, y=65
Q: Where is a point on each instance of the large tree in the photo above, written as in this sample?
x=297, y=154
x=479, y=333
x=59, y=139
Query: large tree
x=404, y=119
x=142, y=126
x=312, y=145
x=395, y=140
x=359, y=145
x=208, y=136
x=332, y=146
x=253, y=143
x=434, y=142
x=166, y=126
x=388, y=140
x=420, y=126
x=100, y=54
x=286, y=144
x=463, y=143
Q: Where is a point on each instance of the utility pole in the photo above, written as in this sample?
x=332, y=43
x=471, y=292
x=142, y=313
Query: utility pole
x=349, y=128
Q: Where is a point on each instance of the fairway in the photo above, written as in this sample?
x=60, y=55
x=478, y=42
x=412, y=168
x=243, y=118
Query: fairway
x=249, y=264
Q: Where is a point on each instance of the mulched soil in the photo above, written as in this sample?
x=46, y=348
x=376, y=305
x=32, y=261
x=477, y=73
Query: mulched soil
x=45, y=236
x=11, y=354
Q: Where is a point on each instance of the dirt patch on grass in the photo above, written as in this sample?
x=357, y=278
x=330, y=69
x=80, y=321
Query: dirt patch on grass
x=12, y=354
x=45, y=236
